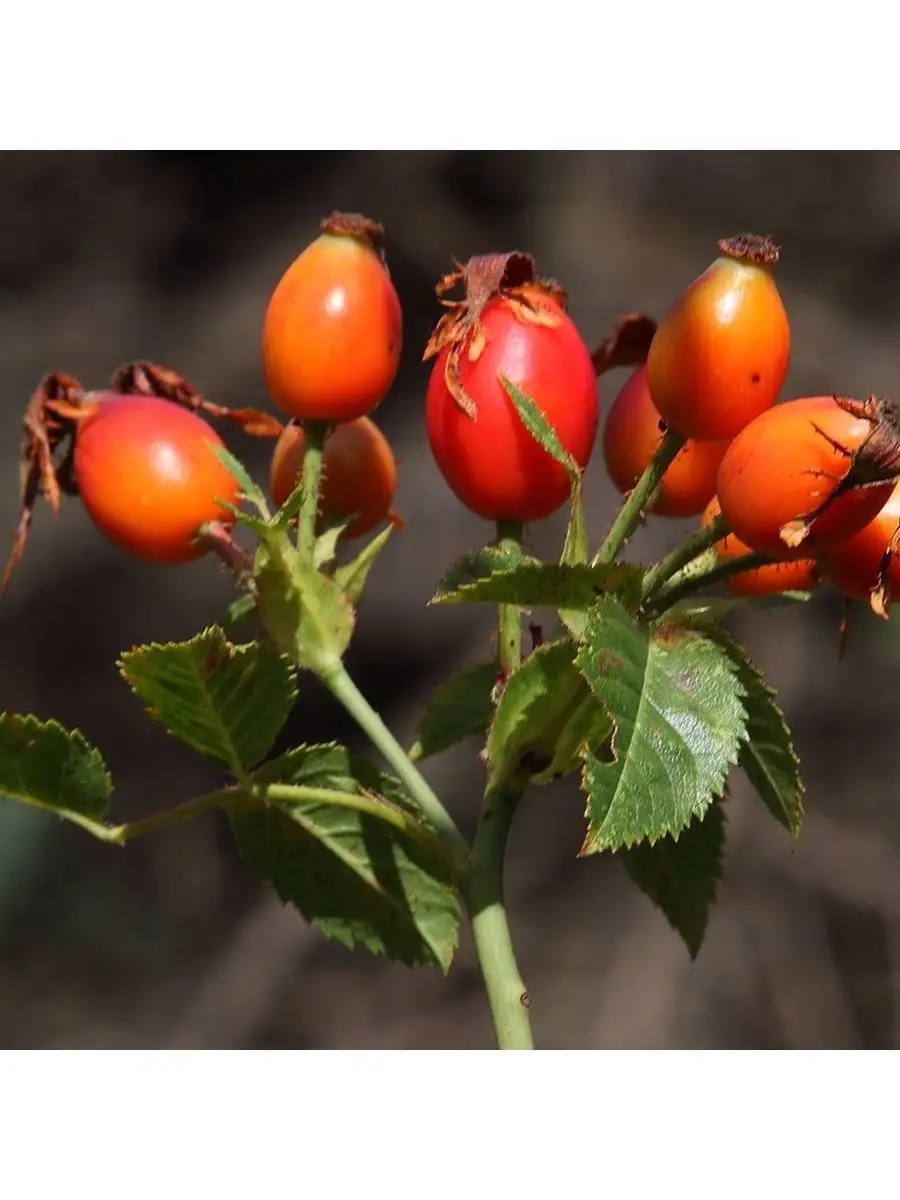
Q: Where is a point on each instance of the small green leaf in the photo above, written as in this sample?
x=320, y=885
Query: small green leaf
x=675, y=699
x=534, y=716
x=575, y=546
x=351, y=577
x=305, y=614
x=461, y=707
x=239, y=611
x=533, y=584
x=539, y=428
x=245, y=481
x=681, y=875
x=704, y=612
x=53, y=768
x=767, y=757
x=364, y=876
x=326, y=546
x=226, y=701
x=258, y=526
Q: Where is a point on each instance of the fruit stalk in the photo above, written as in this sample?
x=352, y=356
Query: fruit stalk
x=687, y=585
x=509, y=616
x=682, y=554
x=314, y=434
x=639, y=498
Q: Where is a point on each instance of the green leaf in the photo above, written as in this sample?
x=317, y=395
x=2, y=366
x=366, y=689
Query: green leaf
x=226, y=701
x=305, y=614
x=251, y=490
x=366, y=876
x=550, y=585
x=534, y=724
x=539, y=428
x=351, y=577
x=675, y=699
x=479, y=565
x=461, y=707
x=767, y=756
x=258, y=526
x=53, y=768
x=681, y=875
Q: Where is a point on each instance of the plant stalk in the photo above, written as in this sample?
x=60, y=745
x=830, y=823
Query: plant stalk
x=682, y=554
x=639, y=498
x=483, y=893
x=314, y=433
x=343, y=688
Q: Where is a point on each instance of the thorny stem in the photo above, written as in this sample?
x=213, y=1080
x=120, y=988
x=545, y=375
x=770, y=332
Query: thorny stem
x=342, y=687
x=483, y=893
x=639, y=497
x=314, y=444
x=691, y=583
x=509, y=616
x=682, y=554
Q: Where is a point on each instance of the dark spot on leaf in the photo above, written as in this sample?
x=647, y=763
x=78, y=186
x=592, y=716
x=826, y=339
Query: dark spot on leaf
x=606, y=662
x=535, y=761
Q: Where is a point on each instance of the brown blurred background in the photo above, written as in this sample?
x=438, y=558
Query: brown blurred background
x=172, y=256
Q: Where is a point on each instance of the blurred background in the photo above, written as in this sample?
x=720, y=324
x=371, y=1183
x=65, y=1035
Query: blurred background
x=106, y=258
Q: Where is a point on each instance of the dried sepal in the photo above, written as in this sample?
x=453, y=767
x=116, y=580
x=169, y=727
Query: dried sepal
x=355, y=225
x=151, y=379
x=874, y=462
x=627, y=346
x=759, y=250
x=48, y=425
x=511, y=277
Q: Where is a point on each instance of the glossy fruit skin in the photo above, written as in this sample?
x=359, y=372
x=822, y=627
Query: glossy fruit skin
x=720, y=355
x=148, y=478
x=780, y=469
x=854, y=565
x=332, y=333
x=632, y=436
x=359, y=474
x=795, y=575
x=492, y=464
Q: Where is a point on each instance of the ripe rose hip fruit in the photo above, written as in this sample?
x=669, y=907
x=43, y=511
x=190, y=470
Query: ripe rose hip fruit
x=721, y=353
x=333, y=329
x=147, y=475
x=632, y=436
x=514, y=325
x=809, y=473
x=794, y=575
x=866, y=566
x=359, y=474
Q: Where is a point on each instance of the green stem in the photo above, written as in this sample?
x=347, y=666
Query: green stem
x=314, y=433
x=639, y=498
x=686, y=586
x=682, y=554
x=509, y=616
x=483, y=892
x=343, y=688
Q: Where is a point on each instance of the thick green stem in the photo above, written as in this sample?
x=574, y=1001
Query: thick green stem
x=509, y=616
x=686, y=586
x=682, y=554
x=483, y=892
x=314, y=444
x=342, y=687
x=639, y=497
